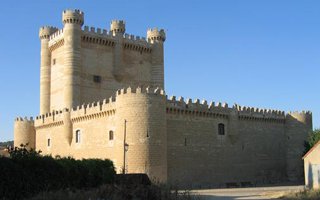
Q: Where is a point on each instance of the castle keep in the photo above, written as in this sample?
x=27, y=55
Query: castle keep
x=102, y=96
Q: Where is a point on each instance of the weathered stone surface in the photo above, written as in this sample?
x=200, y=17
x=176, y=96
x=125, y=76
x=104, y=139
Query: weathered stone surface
x=192, y=143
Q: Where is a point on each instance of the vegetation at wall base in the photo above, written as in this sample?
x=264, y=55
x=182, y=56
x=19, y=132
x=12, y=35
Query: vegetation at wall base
x=303, y=195
x=118, y=192
x=26, y=173
x=313, y=138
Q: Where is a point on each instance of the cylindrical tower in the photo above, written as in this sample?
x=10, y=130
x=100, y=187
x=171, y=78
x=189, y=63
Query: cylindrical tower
x=118, y=28
x=298, y=126
x=141, y=124
x=157, y=38
x=24, y=132
x=45, y=68
x=72, y=20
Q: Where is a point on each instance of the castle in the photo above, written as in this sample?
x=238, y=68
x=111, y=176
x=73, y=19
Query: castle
x=101, y=96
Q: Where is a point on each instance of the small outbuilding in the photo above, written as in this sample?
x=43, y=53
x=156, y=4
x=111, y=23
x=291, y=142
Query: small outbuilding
x=4, y=152
x=312, y=167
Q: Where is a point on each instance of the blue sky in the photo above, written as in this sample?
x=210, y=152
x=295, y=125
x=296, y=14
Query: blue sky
x=262, y=53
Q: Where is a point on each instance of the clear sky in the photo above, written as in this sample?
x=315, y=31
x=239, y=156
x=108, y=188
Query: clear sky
x=262, y=53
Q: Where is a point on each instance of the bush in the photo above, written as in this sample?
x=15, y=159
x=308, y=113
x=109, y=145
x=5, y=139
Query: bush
x=313, y=138
x=27, y=173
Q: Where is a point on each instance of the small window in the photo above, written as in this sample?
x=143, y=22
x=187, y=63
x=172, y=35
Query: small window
x=49, y=142
x=78, y=136
x=97, y=79
x=110, y=135
x=221, y=130
x=53, y=61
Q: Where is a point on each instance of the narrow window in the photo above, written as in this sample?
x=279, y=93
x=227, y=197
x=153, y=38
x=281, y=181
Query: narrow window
x=185, y=141
x=49, y=142
x=78, y=135
x=221, y=130
x=110, y=135
x=53, y=61
x=96, y=79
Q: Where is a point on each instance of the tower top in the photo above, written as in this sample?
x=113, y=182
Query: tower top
x=118, y=26
x=156, y=35
x=73, y=17
x=46, y=31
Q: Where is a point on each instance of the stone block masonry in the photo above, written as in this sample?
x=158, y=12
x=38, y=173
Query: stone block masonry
x=102, y=96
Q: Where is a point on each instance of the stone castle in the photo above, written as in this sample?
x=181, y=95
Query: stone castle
x=101, y=96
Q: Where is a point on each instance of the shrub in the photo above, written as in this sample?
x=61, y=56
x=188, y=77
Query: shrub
x=27, y=173
x=313, y=138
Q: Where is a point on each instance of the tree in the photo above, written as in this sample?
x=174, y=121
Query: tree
x=313, y=138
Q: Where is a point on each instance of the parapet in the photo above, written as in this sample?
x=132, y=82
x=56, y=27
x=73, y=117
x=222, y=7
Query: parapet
x=73, y=17
x=118, y=26
x=196, y=107
x=141, y=90
x=46, y=31
x=303, y=117
x=258, y=113
x=156, y=35
x=24, y=120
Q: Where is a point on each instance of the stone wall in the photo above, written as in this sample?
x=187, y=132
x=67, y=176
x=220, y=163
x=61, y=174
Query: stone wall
x=253, y=151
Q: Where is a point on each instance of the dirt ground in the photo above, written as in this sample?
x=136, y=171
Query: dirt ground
x=246, y=193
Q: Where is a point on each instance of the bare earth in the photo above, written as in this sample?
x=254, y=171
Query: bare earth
x=246, y=193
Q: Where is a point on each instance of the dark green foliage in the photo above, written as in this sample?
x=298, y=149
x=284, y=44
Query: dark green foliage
x=313, y=138
x=27, y=173
x=5, y=144
x=119, y=192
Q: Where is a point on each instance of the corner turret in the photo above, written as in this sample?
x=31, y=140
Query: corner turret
x=73, y=17
x=24, y=132
x=45, y=68
x=155, y=35
x=298, y=126
x=46, y=31
x=141, y=123
x=72, y=20
x=157, y=38
x=118, y=27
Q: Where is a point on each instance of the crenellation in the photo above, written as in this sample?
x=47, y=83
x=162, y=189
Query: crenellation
x=165, y=132
x=24, y=119
x=46, y=32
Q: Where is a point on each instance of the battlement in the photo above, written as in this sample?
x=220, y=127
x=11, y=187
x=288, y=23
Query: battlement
x=141, y=90
x=101, y=108
x=97, y=31
x=56, y=34
x=118, y=26
x=156, y=35
x=73, y=17
x=247, y=112
x=304, y=112
x=25, y=119
x=45, y=32
x=196, y=107
x=56, y=39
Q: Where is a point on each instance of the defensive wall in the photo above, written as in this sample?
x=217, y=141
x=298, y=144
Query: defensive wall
x=184, y=142
x=177, y=140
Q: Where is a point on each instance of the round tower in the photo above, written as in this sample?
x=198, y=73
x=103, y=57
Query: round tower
x=45, y=68
x=141, y=134
x=157, y=38
x=118, y=27
x=72, y=21
x=24, y=132
x=298, y=127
